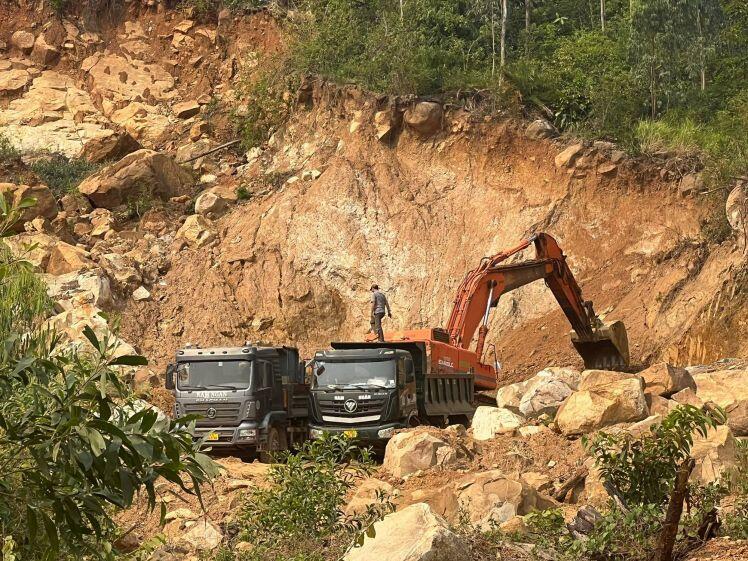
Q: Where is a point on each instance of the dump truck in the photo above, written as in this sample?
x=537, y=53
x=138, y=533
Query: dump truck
x=433, y=376
x=248, y=399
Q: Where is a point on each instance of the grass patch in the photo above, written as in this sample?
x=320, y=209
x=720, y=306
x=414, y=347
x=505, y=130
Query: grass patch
x=62, y=174
x=8, y=152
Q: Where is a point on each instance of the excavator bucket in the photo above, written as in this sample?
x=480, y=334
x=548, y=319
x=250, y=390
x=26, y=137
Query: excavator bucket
x=606, y=349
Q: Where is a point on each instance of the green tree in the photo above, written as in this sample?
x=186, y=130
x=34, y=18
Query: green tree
x=74, y=445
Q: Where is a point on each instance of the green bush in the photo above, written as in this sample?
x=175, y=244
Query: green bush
x=302, y=509
x=74, y=445
x=642, y=470
x=265, y=98
x=62, y=174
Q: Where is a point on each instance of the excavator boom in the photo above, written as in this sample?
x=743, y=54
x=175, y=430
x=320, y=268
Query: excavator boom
x=600, y=346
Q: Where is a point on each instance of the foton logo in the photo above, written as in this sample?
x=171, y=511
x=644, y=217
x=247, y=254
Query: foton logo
x=445, y=362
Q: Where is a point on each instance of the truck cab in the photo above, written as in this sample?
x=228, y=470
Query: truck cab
x=370, y=389
x=365, y=393
x=248, y=398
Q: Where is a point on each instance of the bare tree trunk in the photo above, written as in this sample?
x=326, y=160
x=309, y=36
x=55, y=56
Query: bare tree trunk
x=493, y=39
x=602, y=14
x=504, y=10
x=674, y=512
x=401, y=10
x=702, y=54
x=528, y=8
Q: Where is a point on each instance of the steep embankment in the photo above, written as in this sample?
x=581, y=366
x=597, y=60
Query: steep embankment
x=414, y=214
x=333, y=208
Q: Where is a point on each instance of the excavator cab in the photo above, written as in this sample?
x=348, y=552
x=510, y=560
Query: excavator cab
x=606, y=348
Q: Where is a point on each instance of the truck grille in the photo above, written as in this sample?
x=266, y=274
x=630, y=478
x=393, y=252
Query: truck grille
x=335, y=411
x=223, y=412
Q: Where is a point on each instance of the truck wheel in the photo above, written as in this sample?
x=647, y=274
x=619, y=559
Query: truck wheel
x=276, y=443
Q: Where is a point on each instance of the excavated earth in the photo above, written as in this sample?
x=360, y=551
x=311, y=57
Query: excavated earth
x=339, y=199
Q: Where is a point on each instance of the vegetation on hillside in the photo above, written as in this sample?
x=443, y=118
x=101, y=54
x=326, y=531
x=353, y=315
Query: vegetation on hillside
x=653, y=75
x=75, y=446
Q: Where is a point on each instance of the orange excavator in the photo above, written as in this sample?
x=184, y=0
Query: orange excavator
x=601, y=346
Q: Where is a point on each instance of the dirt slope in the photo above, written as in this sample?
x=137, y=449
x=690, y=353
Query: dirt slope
x=293, y=263
x=414, y=215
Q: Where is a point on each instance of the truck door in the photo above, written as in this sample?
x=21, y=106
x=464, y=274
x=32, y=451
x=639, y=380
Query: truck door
x=406, y=381
x=265, y=385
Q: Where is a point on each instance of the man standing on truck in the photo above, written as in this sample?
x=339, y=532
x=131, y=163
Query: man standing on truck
x=379, y=306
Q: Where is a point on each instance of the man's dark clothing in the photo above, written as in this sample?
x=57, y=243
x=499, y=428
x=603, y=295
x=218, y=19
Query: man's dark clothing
x=377, y=327
x=380, y=306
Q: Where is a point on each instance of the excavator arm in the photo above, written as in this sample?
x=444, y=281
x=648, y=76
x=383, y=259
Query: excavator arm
x=601, y=346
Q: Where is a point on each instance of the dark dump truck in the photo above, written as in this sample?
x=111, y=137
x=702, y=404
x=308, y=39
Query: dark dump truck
x=249, y=398
x=368, y=390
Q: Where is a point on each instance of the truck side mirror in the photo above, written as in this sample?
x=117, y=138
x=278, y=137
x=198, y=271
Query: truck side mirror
x=170, y=369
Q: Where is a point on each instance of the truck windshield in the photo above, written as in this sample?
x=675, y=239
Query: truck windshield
x=209, y=375
x=375, y=373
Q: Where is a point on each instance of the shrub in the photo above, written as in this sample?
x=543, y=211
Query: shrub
x=642, y=470
x=267, y=104
x=8, y=152
x=304, y=503
x=74, y=445
x=62, y=174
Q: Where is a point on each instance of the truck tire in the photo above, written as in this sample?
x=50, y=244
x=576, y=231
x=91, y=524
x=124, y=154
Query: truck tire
x=276, y=442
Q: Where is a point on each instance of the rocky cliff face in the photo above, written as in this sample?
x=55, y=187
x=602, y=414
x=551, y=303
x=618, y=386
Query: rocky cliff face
x=339, y=209
x=353, y=190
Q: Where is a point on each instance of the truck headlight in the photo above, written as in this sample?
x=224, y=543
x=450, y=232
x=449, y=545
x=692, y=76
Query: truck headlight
x=386, y=433
x=316, y=433
x=247, y=434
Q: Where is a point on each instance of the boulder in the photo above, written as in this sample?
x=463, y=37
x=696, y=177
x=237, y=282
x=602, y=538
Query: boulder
x=540, y=128
x=43, y=53
x=664, y=379
x=21, y=246
x=13, y=81
x=141, y=293
x=604, y=398
x=186, y=109
x=567, y=157
x=425, y=117
x=121, y=270
x=202, y=536
x=22, y=40
x=490, y=498
x=688, y=397
x=414, y=450
x=547, y=390
x=415, y=533
x=729, y=390
x=210, y=203
x=141, y=173
x=79, y=287
x=197, y=231
x=71, y=323
x=384, y=123
x=509, y=397
x=490, y=421
x=367, y=494
x=46, y=204
x=690, y=184
x=65, y=258
x=715, y=455
x=660, y=405
x=108, y=147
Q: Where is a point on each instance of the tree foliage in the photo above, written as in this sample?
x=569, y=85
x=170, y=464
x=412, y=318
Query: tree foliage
x=642, y=470
x=74, y=445
x=654, y=60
